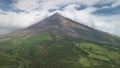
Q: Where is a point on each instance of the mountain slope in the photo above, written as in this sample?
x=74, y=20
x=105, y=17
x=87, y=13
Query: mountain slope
x=58, y=42
x=64, y=26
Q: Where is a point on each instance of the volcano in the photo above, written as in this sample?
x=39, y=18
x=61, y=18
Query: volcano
x=59, y=42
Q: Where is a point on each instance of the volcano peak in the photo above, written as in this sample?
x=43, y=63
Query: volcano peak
x=57, y=14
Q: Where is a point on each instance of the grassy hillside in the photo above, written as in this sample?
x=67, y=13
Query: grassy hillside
x=52, y=50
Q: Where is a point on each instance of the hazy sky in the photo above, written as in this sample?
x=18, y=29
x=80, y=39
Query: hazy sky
x=100, y=14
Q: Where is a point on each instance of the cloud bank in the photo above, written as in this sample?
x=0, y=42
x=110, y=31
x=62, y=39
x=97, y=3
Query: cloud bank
x=88, y=12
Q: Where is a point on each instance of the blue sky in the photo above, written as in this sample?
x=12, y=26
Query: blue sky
x=6, y=5
x=99, y=14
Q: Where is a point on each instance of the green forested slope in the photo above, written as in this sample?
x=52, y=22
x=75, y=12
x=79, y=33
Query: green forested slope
x=44, y=50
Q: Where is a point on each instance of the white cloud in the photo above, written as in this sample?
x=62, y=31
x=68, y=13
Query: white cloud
x=82, y=16
x=116, y=4
x=109, y=24
x=27, y=5
x=20, y=20
x=105, y=7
